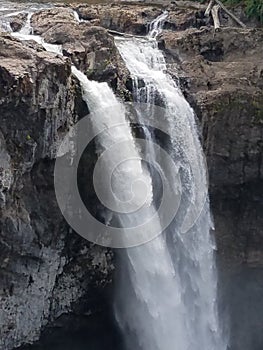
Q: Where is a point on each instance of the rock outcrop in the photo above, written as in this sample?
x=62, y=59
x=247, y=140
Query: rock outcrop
x=135, y=18
x=18, y=21
x=222, y=76
x=44, y=268
x=89, y=47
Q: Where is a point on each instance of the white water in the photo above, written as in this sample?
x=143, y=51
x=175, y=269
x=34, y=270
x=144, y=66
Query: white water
x=166, y=298
x=123, y=168
x=187, y=319
x=26, y=33
x=27, y=29
x=10, y=9
x=153, y=280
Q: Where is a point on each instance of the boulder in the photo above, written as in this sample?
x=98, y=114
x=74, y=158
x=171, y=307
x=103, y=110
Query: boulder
x=43, y=20
x=90, y=48
x=18, y=21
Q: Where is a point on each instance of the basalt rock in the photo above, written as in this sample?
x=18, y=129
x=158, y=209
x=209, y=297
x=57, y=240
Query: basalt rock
x=222, y=76
x=135, y=18
x=18, y=21
x=43, y=20
x=120, y=17
x=90, y=48
x=45, y=269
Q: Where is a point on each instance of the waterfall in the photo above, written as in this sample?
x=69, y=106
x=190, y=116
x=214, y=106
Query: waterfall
x=26, y=33
x=186, y=319
x=166, y=288
x=152, y=279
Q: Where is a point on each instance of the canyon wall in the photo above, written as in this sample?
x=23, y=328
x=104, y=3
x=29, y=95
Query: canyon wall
x=45, y=268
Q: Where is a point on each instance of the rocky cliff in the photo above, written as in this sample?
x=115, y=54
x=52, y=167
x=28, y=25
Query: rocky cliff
x=222, y=76
x=45, y=269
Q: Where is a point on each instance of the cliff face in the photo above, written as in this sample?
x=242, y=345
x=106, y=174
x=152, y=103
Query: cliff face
x=222, y=76
x=45, y=269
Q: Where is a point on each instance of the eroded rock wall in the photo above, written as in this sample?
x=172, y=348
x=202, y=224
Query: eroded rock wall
x=221, y=74
x=44, y=267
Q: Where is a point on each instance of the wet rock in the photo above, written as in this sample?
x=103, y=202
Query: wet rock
x=222, y=76
x=90, y=48
x=43, y=20
x=120, y=17
x=45, y=268
x=18, y=21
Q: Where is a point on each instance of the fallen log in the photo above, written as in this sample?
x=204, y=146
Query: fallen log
x=230, y=14
x=209, y=8
x=125, y=35
x=214, y=12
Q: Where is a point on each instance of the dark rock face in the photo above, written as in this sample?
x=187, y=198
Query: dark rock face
x=18, y=21
x=120, y=17
x=44, y=268
x=222, y=76
x=89, y=47
x=135, y=19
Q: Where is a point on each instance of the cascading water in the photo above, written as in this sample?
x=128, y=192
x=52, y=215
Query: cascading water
x=166, y=298
x=150, y=273
x=142, y=307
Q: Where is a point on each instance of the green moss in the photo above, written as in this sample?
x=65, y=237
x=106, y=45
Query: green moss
x=258, y=116
x=89, y=72
x=245, y=105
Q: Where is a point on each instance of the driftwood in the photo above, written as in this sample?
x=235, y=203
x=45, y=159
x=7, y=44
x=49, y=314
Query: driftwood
x=214, y=12
x=209, y=8
x=230, y=14
x=214, y=9
x=125, y=35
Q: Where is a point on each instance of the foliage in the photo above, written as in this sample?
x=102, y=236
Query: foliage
x=254, y=8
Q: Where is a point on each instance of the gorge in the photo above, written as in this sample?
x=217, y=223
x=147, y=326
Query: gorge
x=41, y=100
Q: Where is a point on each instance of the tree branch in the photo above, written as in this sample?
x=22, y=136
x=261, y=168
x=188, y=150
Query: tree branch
x=230, y=14
x=209, y=8
x=214, y=11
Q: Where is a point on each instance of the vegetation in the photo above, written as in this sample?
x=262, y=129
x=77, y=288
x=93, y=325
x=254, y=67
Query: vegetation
x=254, y=8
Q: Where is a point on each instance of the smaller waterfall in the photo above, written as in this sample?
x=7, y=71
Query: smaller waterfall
x=156, y=26
x=76, y=15
x=27, y=29
x=11, y=9
x=5, y=26
x=24, y=34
